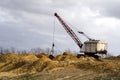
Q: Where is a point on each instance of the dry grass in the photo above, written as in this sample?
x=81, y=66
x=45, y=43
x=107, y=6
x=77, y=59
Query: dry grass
x=65, y=57
x=30, y=57
x=13, y=64
x=113, y=58
x=43, y=66
x=9, y=57
x=98, y=66
x=41, y=55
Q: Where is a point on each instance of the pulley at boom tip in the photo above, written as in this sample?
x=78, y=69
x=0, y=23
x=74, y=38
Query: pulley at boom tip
x=55, y=14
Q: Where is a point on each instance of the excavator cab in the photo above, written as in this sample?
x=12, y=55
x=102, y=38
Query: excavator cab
x=95, y=47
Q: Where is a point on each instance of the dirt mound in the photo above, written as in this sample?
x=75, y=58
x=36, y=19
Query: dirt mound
x=46, y=65
x=12, y=57
x=65, y=57
x=9, y=57
x=87, y=59
x=30, y=57
x=42, y=55
x=16, y=63
x=98, y=66
x=29, y=63
x=113, y=58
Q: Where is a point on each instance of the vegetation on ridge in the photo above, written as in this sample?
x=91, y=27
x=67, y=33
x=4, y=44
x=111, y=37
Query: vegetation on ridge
x=12, y=64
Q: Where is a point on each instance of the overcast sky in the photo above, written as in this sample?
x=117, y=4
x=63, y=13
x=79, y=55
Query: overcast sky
x=26, y=24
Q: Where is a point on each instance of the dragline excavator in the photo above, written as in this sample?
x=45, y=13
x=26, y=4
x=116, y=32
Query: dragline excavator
x=91, y=47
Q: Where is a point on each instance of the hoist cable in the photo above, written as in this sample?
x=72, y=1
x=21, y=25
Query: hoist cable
x=54, y=30
x=52, y=50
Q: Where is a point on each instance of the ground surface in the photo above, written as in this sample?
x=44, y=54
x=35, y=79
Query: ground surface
x=62, y=67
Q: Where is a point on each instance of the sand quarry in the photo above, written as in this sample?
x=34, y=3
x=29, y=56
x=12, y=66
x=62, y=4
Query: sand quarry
x=63, y=67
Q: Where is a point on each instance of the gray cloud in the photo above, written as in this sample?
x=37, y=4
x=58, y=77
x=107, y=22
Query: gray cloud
x=29, y=23
x=107, y=8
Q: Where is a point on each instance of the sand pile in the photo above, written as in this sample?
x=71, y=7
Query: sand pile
x=26, y=63
x=113, y=57
x=42, y=55
x=87, y=59
x=13, y=58
x=98, y=66
x=30, y=63
x=41, y=65
x=29, y=57
x=44, y=63
x=9, y=57
x=16, y=62
x=65, y=57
